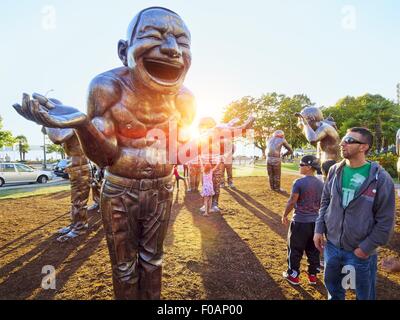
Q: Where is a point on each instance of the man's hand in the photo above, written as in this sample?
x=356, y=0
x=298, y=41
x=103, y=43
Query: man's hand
x=319, y=241
x=285, y=220
x=391, y=265
x=361, y=254
x=49, y=113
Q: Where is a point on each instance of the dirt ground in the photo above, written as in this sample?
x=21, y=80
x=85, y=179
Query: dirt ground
x=237, y=255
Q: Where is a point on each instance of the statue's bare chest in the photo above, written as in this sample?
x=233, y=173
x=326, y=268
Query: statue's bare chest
x=134, y=118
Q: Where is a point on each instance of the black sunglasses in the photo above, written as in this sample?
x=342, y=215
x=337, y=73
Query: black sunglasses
x=304, y=165
x=351, y=140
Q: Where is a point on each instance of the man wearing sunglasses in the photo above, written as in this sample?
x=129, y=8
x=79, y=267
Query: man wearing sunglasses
x=356, y=216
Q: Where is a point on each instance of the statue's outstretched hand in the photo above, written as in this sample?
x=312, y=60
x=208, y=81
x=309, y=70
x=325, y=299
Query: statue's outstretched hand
x=250, y=121
x=50, y=112
x=231, y=125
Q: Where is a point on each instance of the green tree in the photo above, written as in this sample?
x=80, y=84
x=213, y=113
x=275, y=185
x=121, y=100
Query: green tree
x=377, y=111
x=55, y=148
x=23, y=146
x=287, y=121
x=380, y=115
x=6, y=137
x=242, y=109
x=273, y=111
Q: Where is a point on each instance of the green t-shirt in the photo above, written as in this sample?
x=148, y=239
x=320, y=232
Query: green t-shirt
x=352, y=180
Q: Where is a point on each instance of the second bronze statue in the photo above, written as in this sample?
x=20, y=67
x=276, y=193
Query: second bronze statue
x=79, y=176
x=274, y=147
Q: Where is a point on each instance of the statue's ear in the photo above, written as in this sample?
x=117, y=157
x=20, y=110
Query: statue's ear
x=122, y=48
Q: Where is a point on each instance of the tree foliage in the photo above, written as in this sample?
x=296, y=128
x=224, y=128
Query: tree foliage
x=56, y=148
x=23, y=146
x=6, y=137
x=375, y=112
x=273, y=111
x=276, y=112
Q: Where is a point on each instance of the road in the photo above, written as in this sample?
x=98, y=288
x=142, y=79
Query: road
x=17, y=186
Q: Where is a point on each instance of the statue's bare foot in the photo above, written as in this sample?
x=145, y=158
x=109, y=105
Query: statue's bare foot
x=65, y=230
x=75, y=231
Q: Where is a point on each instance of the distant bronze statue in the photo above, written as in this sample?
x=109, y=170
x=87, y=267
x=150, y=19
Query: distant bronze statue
x=194, y=176
x=227, y=161
x=274, y=148
x=398, y=152
x=124, y=105
x=322, y=134
x=218, y=148
x=79, y=176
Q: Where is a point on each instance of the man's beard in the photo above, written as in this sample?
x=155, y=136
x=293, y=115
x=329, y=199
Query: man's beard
x=345, y=155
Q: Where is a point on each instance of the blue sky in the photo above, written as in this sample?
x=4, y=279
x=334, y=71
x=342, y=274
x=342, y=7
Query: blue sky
x=239, y=48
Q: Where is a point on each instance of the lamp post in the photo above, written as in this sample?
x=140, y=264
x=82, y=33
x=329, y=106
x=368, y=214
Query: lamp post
x=44, y=151
x=51, y=90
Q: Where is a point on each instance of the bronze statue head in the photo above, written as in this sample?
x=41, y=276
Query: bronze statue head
x=157, y=49
x=278, y=134
x=313, y=115
x=207, y=123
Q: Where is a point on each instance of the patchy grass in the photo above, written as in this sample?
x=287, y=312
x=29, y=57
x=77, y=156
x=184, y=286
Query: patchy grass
x=23, y=193
x=260, y=170
x=293, y=166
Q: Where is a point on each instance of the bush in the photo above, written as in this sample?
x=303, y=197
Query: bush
x=388, y=161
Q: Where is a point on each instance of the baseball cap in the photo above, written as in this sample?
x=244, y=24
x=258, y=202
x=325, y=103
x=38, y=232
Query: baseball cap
x=311, y=161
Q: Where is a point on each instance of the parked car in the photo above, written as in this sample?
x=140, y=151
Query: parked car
x=59, y=168
x=19, y=173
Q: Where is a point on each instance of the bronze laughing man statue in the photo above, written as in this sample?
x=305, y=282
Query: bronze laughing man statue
x=124, y=104
x=322, y=134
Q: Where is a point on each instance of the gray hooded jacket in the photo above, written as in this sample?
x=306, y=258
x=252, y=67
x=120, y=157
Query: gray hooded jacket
x=368, y=221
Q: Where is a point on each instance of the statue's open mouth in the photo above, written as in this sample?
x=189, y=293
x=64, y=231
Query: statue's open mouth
x=163, y=71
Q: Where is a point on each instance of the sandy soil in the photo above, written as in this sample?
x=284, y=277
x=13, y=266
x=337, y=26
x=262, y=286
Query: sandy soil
x=237, y=255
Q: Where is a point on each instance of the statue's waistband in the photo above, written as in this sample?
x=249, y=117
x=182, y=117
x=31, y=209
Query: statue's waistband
x=138, y=184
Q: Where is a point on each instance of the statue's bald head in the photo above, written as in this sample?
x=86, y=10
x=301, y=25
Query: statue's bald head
x=157, y=49
x=279, y=134
x=312, y=113
x=132, y=28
